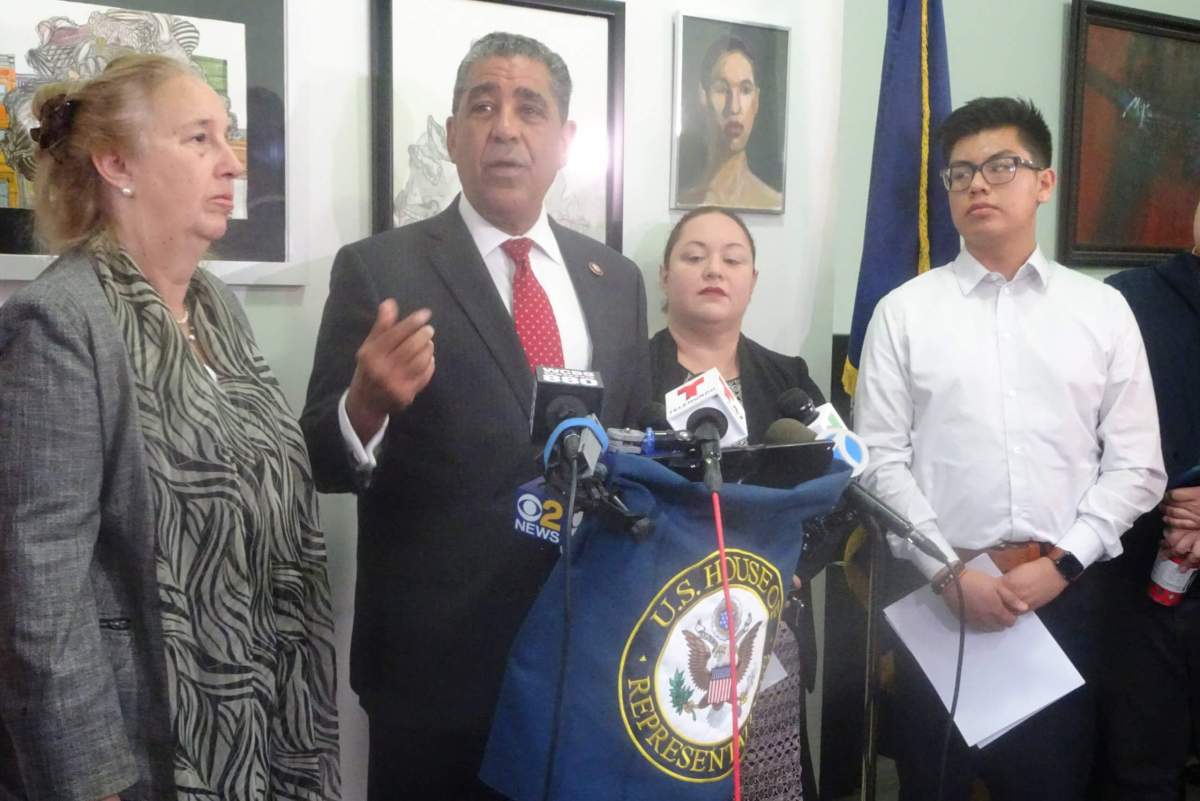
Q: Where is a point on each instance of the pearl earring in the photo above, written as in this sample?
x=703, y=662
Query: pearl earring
x=127, y=191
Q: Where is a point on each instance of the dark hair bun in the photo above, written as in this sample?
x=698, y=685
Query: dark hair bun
x=55, y=118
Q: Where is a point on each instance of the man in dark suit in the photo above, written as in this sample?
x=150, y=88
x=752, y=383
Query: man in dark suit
x=1151, y=687
x=436, y=448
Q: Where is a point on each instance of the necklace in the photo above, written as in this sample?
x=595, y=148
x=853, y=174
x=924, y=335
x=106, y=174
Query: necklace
x=185, y=325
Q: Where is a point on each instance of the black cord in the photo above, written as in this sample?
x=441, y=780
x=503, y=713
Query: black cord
x=962, y=642
x=560, y=689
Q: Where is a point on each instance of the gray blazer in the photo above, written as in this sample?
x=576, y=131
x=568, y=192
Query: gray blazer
x=83, y=704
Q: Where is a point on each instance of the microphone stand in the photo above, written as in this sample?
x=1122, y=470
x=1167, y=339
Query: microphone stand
x=877, y=520
x=878, y=540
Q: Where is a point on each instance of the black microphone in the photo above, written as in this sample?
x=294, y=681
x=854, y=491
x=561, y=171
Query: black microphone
x=707, y=425
x=653, y=416
x=556, y=382
x=561, y=408
x=788, y=431
x=798, y=405
x=862, y=500
x=572, y=396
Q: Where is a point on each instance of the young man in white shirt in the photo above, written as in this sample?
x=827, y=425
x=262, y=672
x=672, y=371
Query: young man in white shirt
x=1008, y=409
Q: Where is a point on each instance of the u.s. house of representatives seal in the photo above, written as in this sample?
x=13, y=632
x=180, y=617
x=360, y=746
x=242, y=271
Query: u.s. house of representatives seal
x=675, y=683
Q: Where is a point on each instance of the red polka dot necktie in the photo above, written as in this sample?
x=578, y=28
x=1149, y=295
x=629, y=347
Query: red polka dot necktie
x=531, y=310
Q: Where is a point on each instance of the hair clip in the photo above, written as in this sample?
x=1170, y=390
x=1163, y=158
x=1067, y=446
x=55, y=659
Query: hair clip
x=56, y=116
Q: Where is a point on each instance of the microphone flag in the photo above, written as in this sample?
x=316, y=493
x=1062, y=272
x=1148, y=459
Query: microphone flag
x=707, y=391
x=646, y=712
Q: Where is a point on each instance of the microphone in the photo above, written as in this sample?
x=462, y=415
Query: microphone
x=788, y=431
x=866, y=502
x=555, y=382
x=827, y=424
x=576, y=434
x=564, y=402
x=653, y=415
x=707, y=390
x=859, y=498
x=708, y=425
x=796, y=404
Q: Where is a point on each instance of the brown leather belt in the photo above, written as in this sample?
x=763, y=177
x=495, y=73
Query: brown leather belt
x=1008, y=555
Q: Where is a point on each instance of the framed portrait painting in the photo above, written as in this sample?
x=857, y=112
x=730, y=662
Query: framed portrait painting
x=413, y=76
x=235, y=47
x=1131, y=142
x=729, y=144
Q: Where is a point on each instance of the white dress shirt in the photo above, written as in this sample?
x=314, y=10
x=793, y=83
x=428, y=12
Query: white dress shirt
x=549, y=268
x=1002, y=411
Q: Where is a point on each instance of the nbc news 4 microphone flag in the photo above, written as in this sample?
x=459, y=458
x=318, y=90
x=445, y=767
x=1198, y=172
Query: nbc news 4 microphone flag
x=646, y=709
x=908, y=226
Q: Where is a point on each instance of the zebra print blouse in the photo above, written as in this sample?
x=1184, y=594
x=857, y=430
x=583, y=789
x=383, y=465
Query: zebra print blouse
x=245, y=601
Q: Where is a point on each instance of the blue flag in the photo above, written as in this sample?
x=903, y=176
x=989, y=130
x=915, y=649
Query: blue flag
x=646, y=713
x=908, y=226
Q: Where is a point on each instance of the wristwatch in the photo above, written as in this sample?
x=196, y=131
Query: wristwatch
x=1067, y=564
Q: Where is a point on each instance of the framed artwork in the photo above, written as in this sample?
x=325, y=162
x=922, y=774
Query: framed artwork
x=1131, y=136
x=236, y=47
x=729, y=144
x=412, y=75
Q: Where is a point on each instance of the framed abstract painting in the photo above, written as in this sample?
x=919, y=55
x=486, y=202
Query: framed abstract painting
x=236, y=47
x=1131, y=136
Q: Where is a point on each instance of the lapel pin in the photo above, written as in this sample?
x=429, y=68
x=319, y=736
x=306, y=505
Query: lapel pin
x=596, y=269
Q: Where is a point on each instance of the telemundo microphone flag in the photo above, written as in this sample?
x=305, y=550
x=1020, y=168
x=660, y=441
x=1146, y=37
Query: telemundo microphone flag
x=908, y=227
x=645, y=713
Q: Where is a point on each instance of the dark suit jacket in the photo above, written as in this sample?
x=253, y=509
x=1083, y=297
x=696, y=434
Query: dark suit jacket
x=1166, y=302
x=443, y=581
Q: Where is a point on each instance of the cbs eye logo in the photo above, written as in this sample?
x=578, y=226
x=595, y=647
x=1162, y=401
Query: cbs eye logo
x=539, y=518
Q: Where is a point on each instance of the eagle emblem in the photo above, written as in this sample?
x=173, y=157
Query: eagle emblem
x=708, y=658
x=676, y=683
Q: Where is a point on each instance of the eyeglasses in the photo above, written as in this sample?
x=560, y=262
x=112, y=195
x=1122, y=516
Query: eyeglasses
x=996, y=170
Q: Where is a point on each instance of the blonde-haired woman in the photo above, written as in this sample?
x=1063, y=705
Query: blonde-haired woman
x=165, y=617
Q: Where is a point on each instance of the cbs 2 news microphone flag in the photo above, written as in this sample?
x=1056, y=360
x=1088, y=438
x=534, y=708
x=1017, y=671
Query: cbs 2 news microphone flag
x=908, y=228
x=646, y=713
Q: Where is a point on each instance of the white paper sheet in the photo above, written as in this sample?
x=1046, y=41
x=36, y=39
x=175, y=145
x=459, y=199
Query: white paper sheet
x=774, y=673
x=1007, y=675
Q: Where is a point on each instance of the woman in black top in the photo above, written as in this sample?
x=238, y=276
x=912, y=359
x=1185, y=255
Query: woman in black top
x=708, y=275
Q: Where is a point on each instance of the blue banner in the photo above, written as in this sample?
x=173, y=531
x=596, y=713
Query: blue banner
x=646, y=714
x=908, y=227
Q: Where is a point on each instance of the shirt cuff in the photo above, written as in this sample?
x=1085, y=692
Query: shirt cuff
x=1082, y=542
x=363, y=455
